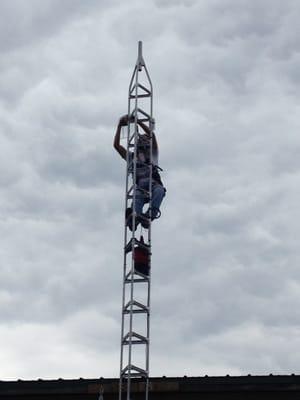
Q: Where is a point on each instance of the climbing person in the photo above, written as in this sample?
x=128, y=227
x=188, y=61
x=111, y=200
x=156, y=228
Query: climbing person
x=143, y=174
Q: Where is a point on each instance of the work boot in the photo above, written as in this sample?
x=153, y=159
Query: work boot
x=145, y=220
x=155, y=213
x=129, y=219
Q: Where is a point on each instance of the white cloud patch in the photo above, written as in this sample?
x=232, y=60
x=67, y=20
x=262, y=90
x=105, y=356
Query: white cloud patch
x=225, y=252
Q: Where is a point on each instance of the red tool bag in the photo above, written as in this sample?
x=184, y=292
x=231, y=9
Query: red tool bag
x=141, y=258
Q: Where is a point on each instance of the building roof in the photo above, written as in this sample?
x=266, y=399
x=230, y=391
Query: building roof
x=206, y=387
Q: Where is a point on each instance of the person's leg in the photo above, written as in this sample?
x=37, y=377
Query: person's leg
x=139, y=201
x=158, y=193
x=141, y=197
x=139, y=204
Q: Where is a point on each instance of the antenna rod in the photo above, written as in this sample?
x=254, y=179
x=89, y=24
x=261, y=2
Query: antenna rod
x=140, y=49
x=140, y=61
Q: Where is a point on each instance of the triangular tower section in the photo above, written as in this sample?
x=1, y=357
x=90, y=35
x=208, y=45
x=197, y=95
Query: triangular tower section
x=139, y=91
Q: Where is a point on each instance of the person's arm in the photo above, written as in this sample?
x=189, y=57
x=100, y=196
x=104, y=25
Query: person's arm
x=120, y=149
x=148, y=133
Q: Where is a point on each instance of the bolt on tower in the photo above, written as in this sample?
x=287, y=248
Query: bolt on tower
x=135, y=327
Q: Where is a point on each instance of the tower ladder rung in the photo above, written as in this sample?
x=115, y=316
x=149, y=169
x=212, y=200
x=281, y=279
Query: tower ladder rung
x=128, y=278
x=138, y=371
x=141, y=307
x=135, y=338
x=140, y=96
x=142, y=87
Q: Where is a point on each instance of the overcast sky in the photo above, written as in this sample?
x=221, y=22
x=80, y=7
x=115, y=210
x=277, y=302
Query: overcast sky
x=226, y=276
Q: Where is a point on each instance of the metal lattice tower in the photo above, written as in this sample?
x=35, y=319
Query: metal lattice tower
x=135, y=329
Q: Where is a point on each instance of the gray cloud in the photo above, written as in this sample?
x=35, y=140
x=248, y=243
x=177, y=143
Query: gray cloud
x=225, y=251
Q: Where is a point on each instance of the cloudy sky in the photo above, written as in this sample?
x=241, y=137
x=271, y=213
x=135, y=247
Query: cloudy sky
x=226, y=277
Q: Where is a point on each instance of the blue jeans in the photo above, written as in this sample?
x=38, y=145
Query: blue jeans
x=158, y=193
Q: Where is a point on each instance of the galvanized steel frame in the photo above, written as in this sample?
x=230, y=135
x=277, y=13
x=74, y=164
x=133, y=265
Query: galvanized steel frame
x=129, y=372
